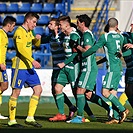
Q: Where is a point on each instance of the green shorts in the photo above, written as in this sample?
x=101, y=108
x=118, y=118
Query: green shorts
x=129, y=76
x=67, y=75
x=87, y=80
x=111, y=80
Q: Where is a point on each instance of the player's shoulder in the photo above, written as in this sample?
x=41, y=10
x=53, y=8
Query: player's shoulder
x=1, y=32
x=74, y=34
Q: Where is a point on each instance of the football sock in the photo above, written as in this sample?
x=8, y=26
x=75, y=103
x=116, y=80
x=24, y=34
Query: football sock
x=33, y=105
x=115, y=112
x=98, y=100
x=60, y=102
x=123, y=98
x=87, y=109
x=67, y=101
x=116, y=102
x=12, y=108
x=80, y=104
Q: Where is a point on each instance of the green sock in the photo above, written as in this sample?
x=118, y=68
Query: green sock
x=60, y=102
x=98, y=100
x=80, y=104
x=115, y=112
x=116, y=102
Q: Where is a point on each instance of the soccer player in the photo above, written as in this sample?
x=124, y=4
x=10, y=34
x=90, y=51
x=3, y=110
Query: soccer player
x=127, y=55
x=56, y=39
x=23, y=71
x=88, y=74
x=69, y=71
x=112, y=42
x=8, y=26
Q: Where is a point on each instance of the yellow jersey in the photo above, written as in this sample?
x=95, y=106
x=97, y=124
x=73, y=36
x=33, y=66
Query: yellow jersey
x=23, y=41
x=3, y=46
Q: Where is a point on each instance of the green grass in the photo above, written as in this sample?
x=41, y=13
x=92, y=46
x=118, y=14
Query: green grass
x=46, y=110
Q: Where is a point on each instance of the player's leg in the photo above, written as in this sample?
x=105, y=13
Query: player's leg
x=129, y=93
x=111, y=80
x=17, y=81
x=71, y=107
x=34, y=82
x=61, y=82
x=3, y=87
x=80, y=98
x=129, y=85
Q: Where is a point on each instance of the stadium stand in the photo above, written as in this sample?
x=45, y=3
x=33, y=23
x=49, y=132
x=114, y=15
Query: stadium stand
x=24, y=7
x=3, y=7
x=43, y=20
x=12, y=8
x=46, y=10
x=20, y=19
x=36, y=7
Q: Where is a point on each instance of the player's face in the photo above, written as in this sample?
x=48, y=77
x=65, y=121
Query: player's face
x=63, y=26
x=32, y=23
x=11, y=26
x=51, y=25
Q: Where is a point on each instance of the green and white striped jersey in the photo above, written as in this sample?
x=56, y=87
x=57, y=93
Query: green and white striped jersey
x=68, y=50
x=89, y=63
x=112, y=43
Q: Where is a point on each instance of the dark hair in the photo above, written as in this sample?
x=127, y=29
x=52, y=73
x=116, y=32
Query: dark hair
x=8, y=20
x=106, y=28
x=31, y=15
x=56, y=21
x=84, y=18
x=65, y=18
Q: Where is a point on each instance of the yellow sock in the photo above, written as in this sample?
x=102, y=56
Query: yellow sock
x=0, y=97
x=33, y=105
x=123, y=98
x=12, y=108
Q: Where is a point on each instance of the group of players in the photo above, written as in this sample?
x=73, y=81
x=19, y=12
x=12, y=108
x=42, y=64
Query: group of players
x=73, y=52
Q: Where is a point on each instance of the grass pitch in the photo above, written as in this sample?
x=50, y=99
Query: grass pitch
x=46, y=110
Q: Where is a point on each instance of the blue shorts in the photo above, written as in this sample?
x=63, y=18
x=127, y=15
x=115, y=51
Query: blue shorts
x=3, y=76
x=20, y=77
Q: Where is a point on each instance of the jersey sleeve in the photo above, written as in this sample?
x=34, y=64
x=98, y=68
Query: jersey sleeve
x=88, y=40
x=75, y=37
x=94, y=48
x=18, y=37
x=70, y=59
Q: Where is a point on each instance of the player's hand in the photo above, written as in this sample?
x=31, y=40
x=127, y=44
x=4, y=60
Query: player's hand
x=38, y=36
x=36, y=64
x=118, y=54
x=61, y=65
x=128, y=45
x=2, y=67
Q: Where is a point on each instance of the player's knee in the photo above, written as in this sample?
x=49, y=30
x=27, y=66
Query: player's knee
x=105, y=93
x=3, y=88
x=58, y=89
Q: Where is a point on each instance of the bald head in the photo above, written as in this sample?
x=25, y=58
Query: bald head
x=113, y=22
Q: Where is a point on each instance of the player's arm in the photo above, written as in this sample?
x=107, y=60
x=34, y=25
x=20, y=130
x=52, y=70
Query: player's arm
x=88, y=43
x=94, y=48
x=67, y=61
x=2, y=61
x=104, y=59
